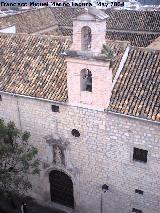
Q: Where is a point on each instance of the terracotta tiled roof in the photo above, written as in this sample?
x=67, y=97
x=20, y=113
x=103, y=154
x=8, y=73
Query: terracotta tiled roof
x=136, y=39
x=56, y=32
x=138, y=27
x=32, y=66
x=60, y=31
x=118, y=48
x=31, y=58
x=37, y=20
x=64, y=15
x=32, y=21
x=133, y=20
x=137, y=90
x=155, y=44
x=4, y=24
x=66, y=31
x=119, y=19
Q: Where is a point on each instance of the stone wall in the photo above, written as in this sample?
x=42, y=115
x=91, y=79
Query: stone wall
x=101, y=155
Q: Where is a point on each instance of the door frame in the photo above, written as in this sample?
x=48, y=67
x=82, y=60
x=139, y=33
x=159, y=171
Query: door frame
x=73, y=173
x=68, y=181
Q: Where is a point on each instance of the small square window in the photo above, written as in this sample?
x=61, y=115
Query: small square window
x=140, y=155
x=0, y=98
x=137, y=191
x=136, y=210
x=55, y=108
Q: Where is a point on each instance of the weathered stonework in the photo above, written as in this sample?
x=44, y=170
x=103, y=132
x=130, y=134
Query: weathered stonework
x=103, y=152
x=101, y=155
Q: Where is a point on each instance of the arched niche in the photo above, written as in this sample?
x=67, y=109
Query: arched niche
x=58, y=154
x=86, y=38
x=86, y=80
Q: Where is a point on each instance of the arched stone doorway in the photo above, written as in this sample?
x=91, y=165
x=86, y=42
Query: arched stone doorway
x=61, y=188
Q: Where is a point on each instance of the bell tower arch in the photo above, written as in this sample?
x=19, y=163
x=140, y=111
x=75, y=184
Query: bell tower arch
x=86, y=38
x=89, y=28
x=89, y=77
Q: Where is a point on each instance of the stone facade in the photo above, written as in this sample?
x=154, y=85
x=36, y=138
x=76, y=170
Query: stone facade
x=103, y=154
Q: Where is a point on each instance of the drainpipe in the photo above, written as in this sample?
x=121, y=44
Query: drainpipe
x=18, y=110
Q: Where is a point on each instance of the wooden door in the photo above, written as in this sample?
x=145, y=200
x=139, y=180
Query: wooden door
x=61, y=188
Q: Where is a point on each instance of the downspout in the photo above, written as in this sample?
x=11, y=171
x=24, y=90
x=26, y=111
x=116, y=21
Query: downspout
x=18, y=110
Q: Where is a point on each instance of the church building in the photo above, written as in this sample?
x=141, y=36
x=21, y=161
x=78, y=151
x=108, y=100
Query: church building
x=92, y=107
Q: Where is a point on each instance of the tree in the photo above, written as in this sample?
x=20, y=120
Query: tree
x=18, y=159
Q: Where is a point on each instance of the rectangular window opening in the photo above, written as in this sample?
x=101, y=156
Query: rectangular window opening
x=136, y=210
x=55, y=108
x=137, y=191
x=140, y=155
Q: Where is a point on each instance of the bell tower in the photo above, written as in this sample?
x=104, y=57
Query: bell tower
x=89, y=77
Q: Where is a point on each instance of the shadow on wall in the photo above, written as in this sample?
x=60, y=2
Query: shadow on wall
x=13, y=206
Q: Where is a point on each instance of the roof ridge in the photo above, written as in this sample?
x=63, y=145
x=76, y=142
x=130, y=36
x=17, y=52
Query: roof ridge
x=54, y=17
x=132, y=10
x=36, y=35
x=145, y=49
x=118, y=41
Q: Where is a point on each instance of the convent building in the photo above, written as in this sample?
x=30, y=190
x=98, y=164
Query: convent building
x=92, y=106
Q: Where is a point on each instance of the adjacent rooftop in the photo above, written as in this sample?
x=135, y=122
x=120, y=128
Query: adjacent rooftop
x=32, y=65
x=140, y=28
